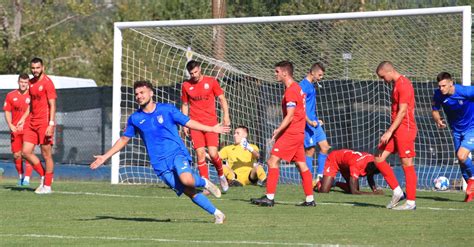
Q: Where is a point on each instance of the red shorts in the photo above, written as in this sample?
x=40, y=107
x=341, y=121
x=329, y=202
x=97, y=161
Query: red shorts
x=204, y=139
x=37, y=135
x=17, y=141
x=403, y=143
x=290, y=148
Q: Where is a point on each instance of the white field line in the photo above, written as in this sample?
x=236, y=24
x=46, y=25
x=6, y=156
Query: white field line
x=164, y=240
x=175, y=197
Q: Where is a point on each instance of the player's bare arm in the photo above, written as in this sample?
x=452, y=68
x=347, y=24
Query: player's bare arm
x=310, y=122
x=8, y=118
x=52, y=117
x=402, y=112
x=100, y=159
x=225, y=109
x=290, y=113
x=373, y=186
x=216, y=128
x=21, y=123
x=185, y=111
x=437, y=119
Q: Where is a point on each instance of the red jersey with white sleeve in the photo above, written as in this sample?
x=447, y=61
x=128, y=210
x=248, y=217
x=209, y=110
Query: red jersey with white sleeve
x=201, y=99
x=350, y=163
x=294, y=98
x=41, y=90
x=17, y=103
x=403, y=93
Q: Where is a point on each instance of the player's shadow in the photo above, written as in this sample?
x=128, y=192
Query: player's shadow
x=141, y=219
x=357, y=204
x=16, y=188
x=436, y=198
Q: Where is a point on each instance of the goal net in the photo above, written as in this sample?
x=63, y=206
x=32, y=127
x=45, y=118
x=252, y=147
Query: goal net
x=352, y=101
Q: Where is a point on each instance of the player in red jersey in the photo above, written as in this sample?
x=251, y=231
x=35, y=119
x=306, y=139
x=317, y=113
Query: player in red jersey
x=289, y=138
x=42, y=121
x=17, y=108
x=352, y=165
x=198, y=96
x=399, y=137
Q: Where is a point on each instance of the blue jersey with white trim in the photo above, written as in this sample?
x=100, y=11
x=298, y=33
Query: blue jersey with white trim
x=459, y=107
x=159, y=132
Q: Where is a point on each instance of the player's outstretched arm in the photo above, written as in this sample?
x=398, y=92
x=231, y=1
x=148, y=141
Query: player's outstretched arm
x=100, y=159
x=216, y=128
x=437, y=119
x=185, y=111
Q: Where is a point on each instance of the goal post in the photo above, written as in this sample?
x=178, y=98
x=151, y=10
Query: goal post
x=352, y=101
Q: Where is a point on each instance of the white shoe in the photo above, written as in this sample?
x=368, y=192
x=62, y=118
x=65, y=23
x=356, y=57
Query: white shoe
x=396, y=198
x=212, y=188
x=224, y=184
x=44, y=190
x=405, y=206
x=220, y=218
x=40, y=187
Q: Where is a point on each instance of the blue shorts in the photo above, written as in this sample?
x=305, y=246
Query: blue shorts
x=313, y=135
x=465, y=140
x=176, y=165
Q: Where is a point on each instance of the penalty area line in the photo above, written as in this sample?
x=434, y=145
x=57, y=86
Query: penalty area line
x=163, y=240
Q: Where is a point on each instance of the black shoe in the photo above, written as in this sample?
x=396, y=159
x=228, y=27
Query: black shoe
x=263, y=201
x=235, y=183
x=306, y=204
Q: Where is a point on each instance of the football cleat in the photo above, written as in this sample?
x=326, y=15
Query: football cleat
x=19, y=182
x=212, y=188
x=405, y=206
x=224, y=184
x=43, y=190
x=263, y=201
x=219, y=218
x=396, y=198
x=468, y=198
x=25, y=183
x=306, y=204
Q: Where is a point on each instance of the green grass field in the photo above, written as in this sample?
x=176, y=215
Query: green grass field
x=100, y=214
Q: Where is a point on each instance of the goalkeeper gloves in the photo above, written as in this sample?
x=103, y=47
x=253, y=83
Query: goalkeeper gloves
x=245, y=144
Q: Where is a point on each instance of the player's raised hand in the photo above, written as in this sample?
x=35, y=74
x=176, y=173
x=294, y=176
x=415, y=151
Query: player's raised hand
x=220, y=129
x=441, y=124
x=99, y=160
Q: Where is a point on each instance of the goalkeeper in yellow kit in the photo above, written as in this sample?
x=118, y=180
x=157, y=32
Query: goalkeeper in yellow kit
x=242, y=167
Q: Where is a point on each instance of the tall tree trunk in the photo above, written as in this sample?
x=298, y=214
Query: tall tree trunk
x=18, y=6
x=219, y=11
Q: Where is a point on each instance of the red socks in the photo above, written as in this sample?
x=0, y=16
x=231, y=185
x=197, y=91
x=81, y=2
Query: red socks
x=410, y=179
x=39, y=169
x=203, y=170
x=272, y=180
x=28, y=169
x=307, y=182
x=19, y=166
x=48, y=178
x=218, y=165
x=388, y=174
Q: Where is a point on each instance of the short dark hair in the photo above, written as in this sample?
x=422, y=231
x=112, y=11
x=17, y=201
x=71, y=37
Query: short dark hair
x=142, y=83
x=192, y=64
x=286, y=65
x=443, y=76
x=244, y=128
x=317, y=66
x=37, y=60
x=23, y=76
x=383, y=64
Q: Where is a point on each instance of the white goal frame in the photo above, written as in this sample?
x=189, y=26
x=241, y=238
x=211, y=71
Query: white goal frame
x=119, y=26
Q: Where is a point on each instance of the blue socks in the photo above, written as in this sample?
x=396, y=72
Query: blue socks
x=321, y=162
x=199, y=182
x=309, y=163
x=467, y=168
x=202, y=201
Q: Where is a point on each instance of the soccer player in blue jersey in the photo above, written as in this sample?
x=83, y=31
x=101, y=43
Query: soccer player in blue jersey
x=157, y=126
x=458, y=105
x=314, y=133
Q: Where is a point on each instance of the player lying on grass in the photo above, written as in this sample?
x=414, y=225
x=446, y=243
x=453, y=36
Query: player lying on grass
x=157, y=126
x=352, y=165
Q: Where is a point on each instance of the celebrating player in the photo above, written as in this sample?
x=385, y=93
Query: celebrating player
x=242, y=167
x=40, y=131
x=314, y=132
x=156, y=125
x=352, y=165
x=289, y=139
x=17, y=108
x=198, y=97
x=399, y=137
x=458, y=105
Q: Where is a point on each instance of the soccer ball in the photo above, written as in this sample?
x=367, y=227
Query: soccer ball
x=441, y=183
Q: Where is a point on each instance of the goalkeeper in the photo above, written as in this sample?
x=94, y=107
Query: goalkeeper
x=242, y=167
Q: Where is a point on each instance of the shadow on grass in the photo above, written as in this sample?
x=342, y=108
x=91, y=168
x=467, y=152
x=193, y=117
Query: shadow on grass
x=436, y=198
x=356, y=204
x=17, y=188
x=141, y=219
